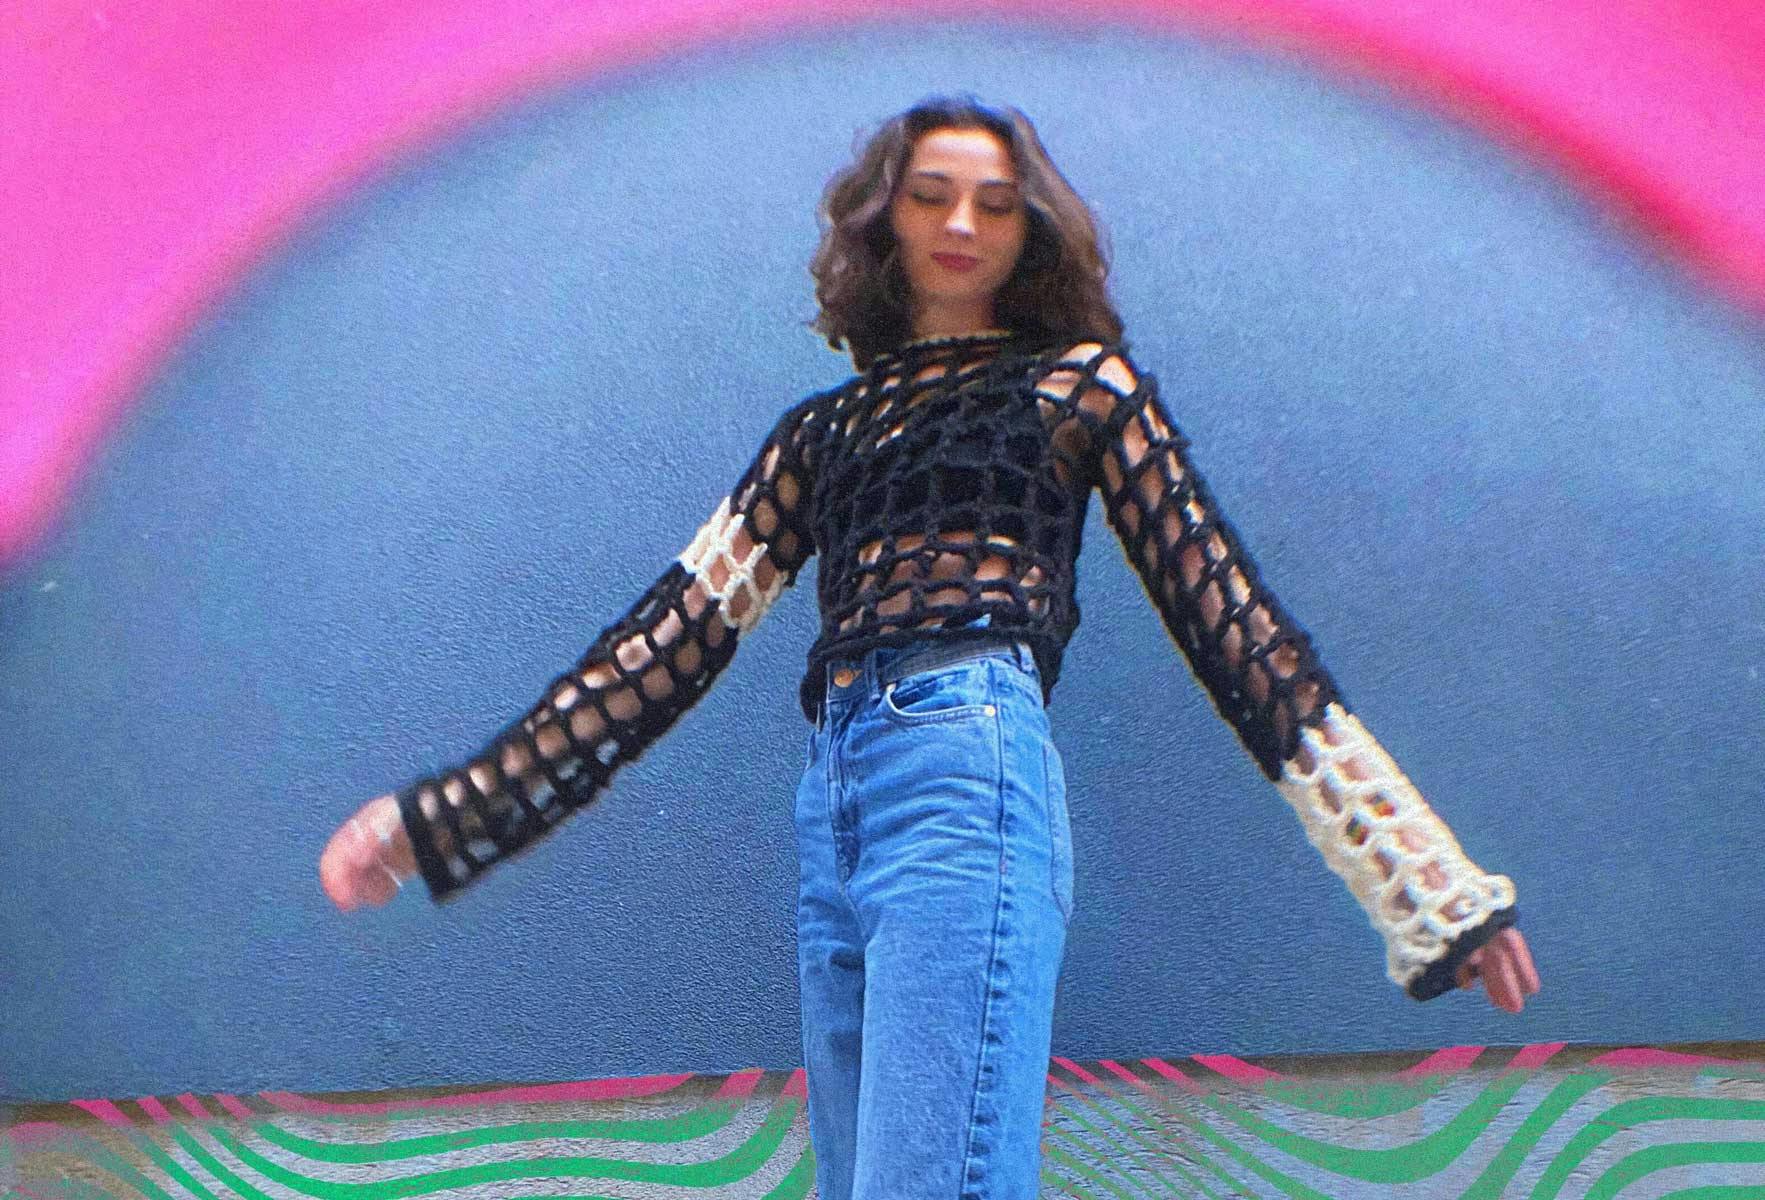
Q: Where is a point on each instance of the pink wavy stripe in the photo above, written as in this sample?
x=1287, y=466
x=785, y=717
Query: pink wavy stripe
x=797, y=1088
x=1126, y=1075
x=1175, y=1076
x=741, y=1085
x=1530, y=1058
x=105, y=1111
x=156, y=1110
x=1121, y=1072
x=1081, y=1072
x=547, y=1093
x=1235, y=1068
x=237, y=1107
x=1648, y=1056
x=1443, y=1061
x=194, y=1106
x=136, y=221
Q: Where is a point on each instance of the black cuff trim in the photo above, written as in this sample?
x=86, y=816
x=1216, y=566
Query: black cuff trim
x=1438, y=979
x=429, y=864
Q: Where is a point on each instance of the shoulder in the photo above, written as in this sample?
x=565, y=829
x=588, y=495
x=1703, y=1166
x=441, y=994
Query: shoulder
x=812, y=409
x=814, y=402
x=1102, y=373
x=1106, y=363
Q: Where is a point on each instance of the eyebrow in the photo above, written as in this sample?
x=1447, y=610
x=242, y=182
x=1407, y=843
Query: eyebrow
x=942, y=177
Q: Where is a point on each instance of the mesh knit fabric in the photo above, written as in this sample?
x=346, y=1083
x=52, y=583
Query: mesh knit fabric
x=949, y=480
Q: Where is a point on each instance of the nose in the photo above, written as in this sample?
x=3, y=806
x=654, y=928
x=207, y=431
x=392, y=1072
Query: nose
x=962, y=217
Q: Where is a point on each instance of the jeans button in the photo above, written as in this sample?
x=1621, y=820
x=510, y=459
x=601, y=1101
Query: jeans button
x=844, y=677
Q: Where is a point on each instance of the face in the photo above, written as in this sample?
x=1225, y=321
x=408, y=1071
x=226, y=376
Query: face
x=960, y=220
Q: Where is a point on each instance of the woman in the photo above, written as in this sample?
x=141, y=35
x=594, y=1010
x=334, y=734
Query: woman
x=945, y=486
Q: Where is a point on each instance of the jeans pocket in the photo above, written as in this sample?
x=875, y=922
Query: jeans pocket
x=1059, y=828
x=939, y=694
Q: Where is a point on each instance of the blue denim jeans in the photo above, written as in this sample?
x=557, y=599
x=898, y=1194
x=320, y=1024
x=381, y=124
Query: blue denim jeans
x=936, y=885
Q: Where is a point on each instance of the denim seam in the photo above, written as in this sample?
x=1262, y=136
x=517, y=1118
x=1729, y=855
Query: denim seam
x=835, y=792
x=1049, y=752
x=992, y=957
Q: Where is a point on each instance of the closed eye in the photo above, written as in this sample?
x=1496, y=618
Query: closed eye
x=998, y=210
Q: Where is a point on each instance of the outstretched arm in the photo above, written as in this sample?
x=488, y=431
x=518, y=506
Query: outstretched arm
x=634, y=682
x=1433, y=906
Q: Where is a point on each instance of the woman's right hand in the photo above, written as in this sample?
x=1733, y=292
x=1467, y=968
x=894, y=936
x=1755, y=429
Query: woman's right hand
x=369, y=857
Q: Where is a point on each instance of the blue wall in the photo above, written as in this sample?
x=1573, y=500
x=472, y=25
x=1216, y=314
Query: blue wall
x=1497, y=455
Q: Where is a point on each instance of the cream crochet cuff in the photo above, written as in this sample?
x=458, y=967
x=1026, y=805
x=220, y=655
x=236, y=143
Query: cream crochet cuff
x=1397, y=856
x=712, y=555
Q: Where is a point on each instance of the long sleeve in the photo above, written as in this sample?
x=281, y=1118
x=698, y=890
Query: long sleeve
x=634, y=682
x=1431, y=904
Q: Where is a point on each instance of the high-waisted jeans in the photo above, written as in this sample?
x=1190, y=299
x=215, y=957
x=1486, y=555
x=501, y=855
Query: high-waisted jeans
x=936, y=886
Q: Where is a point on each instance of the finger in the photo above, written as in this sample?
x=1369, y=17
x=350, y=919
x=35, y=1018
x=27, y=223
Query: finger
x=351, y=870
x=1522, y=956
x=1468, y=970
x=1504, y=983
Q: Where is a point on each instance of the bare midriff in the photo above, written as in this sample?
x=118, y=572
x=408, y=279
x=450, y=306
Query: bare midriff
x=935, y=564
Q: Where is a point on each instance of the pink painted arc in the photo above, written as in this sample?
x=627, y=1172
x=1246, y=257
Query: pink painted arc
x=115, y=113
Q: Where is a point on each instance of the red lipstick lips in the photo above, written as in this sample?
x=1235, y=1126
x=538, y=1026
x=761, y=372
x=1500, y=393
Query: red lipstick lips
x=956, y=262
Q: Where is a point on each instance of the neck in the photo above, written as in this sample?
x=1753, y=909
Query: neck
x=942, y=322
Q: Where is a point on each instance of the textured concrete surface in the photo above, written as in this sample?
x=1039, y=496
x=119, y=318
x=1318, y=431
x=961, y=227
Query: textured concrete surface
x=1541, y=1121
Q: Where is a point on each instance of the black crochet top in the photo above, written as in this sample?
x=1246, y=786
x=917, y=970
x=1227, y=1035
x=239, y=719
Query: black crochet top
x=947, y=480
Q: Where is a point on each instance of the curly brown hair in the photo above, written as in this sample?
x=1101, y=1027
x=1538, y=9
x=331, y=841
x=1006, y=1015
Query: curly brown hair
x=1057, y=290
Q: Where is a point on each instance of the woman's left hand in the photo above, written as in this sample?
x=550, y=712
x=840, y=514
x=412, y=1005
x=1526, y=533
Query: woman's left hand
x=1504, y=964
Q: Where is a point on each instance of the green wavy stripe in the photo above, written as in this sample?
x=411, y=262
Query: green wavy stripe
x=700, y=1122
x=685, y=1127
x=1491, y=1184
x=1631, y=1168
x=1067, y=1136
x=1143, y=1141
x=1636, y=1112
x=1399, y=1164
x=170, y=1166
x=1086, y=1171
x=738, y=1164
x=1364, y=1102
x=1051, y=1180
x=1196, y=1152
x=1288, y=1185
x=103, y=1157
x=796, y=1184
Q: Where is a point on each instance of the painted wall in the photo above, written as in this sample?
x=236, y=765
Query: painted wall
x=1497, y=455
